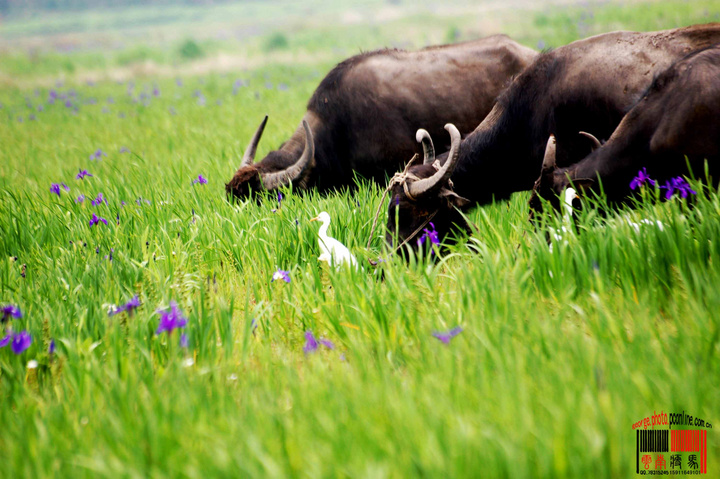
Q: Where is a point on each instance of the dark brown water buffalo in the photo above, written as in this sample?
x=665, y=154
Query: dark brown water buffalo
x=363, y=116
x=677, y=118
x=587, y=85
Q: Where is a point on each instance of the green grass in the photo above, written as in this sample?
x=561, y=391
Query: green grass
x=562, y=351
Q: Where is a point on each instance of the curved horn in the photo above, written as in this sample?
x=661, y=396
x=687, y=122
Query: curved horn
x=249, y=155
x=549, y=159
x=420, y=187
x=422, y=136
x=280, y=178
x=596, y=143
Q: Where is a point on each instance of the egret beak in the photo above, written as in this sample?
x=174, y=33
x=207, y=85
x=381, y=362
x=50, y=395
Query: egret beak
x=315, y=219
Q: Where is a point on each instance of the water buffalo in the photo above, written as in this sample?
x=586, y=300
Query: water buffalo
x=587, y=85
x=362, y=116
x=678, y=117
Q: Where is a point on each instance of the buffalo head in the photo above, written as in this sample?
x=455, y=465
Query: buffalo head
x=278, y=168
x=553, y=181
x=423, y=194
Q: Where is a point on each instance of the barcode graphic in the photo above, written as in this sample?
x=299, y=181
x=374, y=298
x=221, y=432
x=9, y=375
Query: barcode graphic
x=685, y=441
x=654, y=441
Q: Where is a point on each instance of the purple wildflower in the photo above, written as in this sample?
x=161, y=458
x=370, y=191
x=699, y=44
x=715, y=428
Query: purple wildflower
x=430, y=234
x=6, y=340
x=82, y=174
x=95, y=220
x=156, y=91
x=171, y=319
x=55, y=188
x=311, y=343
x=51, y=348
x=128, y=307
x=279, y=199
x=280, y=274
x=99, y=200
x=65, y=187
x=327, y=343
x=80, y=199
x=124, y=149
x=68, y=104
x=183, y=340
x=446, y=337
x=98, y=155
x=200, y=179
x=20, y=342
x=10, y=310
x=680, y=185
x=641, y=178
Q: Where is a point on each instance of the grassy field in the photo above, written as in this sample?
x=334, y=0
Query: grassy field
x=562, y=349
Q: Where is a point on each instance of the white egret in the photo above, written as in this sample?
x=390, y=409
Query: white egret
x=333, y=252
x=570, y=195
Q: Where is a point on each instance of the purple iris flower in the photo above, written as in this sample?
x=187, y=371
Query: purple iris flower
x=200, y=179
x=99, y=200
x=140, y=201
x=6, y=340
x=311, y=343
x=679, y=185
x=156, y=91
x=80, y=199
x=171, y=319
x=124, y=149
x=20, y=342
x=446, y=337
x=128, y=307
x=430, y=234
x=82, y=174
x=55, y=188
x=51, y=348
x=183, y=340
x=8, y=311
x=97, y=155
x=641, y=178
x=68, y=104
x=327, y=343
x=280, y=274
x=280, y=198
x=95, y=220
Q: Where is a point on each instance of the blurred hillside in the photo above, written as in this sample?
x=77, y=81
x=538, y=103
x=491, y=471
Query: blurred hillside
x=118, y=39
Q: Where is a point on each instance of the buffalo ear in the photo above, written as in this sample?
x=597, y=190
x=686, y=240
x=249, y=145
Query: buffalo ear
x=453, y=198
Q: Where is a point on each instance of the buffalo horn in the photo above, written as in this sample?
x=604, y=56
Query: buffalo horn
x=420, y=187
x=596, y=143
x=422, y=136
x=249, y=155
x=549, y=159
x=280, y=178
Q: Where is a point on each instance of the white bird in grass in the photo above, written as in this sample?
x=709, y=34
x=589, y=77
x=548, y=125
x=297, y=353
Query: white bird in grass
x=333, y=252
x=570, y=195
